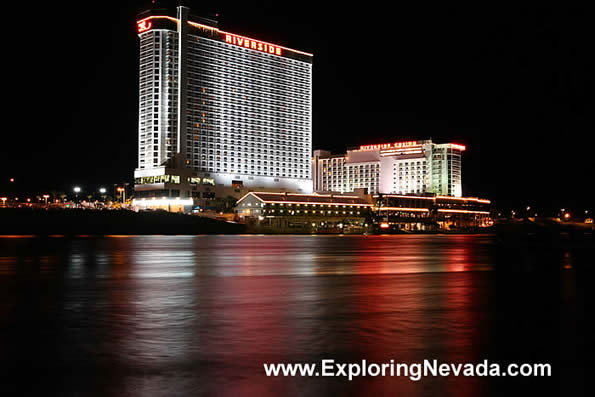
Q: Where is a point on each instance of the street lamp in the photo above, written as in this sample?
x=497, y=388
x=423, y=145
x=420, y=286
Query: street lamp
x=102, y=191
x=77, y=190
x=46, y=196
x=123, y=192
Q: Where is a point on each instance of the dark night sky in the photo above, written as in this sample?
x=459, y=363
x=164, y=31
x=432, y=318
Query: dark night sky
x=515, y=85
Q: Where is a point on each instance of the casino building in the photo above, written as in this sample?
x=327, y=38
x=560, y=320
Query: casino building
x=218, y=109
x=411, y=167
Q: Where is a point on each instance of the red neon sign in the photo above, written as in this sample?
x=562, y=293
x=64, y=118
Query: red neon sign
x=396, y=145
x=144, y=25
x=252, y=44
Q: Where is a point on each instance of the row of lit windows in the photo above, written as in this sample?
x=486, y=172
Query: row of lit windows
x=247, y=125
x=261, y=80
x=242, y=66
x=217, y=111
x=246, y=144
x=272, y=129
x=249, y=104
x=284, y=158
x=246, y=172
x=281, y=103
x=255, y=137
x=249, y=75
x=230, y=163
x=272, y=135
x=248, y=138
x=240, y=89
x=256, y=117
x=282, y=106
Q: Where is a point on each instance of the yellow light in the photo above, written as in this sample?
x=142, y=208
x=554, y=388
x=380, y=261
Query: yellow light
x=402, y=209
x=466, y=211
x=408, y=197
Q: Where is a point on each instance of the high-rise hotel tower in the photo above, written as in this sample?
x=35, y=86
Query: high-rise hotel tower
x=219, y=108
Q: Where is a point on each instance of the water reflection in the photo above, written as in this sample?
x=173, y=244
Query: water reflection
x=199, y=315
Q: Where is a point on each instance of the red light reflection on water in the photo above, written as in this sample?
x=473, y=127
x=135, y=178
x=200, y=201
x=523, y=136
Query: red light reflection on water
x=418, y=254
x=412, y=317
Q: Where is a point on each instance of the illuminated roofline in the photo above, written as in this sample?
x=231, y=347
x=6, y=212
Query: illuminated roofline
x=465, y=198
x=301, y=194
x=300, y=202
x=176, y=20
x=306, y=194
x=404, y=196
x=402, y=209
x=244, y=196
x=313, y=202
x=463, y=211
x=201, y=26
x=483, y=201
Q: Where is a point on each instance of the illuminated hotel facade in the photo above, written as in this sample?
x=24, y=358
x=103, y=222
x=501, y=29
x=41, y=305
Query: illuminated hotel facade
x=216, y=108
x=411, y=167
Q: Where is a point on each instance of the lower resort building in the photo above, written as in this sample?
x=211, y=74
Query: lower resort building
x=430, y=212
x=358, y=213
x=412, y=167
x=285, y=212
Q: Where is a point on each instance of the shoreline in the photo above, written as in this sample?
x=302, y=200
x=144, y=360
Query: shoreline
x=80, y=222
x=96, y=223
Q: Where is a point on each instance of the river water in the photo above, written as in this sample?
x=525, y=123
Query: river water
x=200, y=315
